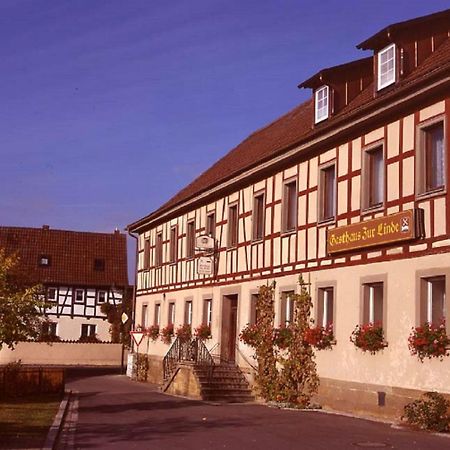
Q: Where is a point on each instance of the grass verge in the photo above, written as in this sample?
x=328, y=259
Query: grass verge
x=24, y=422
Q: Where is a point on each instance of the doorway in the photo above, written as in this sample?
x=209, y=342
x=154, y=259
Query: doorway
x=229, y=328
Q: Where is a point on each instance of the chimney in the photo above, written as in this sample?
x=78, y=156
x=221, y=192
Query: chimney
x=45, y=227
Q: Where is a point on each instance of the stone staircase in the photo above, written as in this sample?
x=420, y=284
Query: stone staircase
x=226, y=384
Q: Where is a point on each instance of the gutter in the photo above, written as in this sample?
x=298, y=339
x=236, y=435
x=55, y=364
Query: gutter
x=133, y=300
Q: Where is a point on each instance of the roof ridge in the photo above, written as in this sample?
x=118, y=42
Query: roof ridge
x=13, y=227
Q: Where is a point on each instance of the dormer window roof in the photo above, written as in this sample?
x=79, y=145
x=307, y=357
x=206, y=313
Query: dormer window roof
x=321, y=104
x=386, y=67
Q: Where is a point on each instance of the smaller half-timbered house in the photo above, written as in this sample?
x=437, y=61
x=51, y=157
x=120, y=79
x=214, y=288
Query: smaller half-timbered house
x=79, y=271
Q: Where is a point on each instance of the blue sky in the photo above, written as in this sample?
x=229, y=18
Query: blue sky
x=108, y=108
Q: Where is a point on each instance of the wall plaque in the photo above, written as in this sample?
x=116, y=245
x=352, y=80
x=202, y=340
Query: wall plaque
x=398, y=227
x=205, y=265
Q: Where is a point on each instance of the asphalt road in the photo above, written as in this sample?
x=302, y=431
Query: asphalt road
x=113, y=412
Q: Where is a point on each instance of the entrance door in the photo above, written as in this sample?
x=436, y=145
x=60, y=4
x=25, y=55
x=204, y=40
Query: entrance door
x=229, y=328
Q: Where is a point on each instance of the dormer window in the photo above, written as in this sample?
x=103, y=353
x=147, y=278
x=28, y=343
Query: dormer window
x=386, y=66
x=322, y=104
x=44, y=260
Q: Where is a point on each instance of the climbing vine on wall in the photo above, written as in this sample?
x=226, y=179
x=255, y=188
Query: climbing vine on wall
x=285, y=373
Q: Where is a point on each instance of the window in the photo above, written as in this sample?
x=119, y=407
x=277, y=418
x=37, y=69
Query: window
x=159, y=249
x=144, y=312
x=87, y=330
x=49, y=329
x=211, y=224
x=44, y=261
x=386, y=66
x=321, y=104
x=188, y=312
x=207, y=311
x=173, y=244
x=101, y=296
x=433, y=300
x=79, y=295
x=327, y=193
x=99, y=264
x=373, y=182
x=287, y=308
x=190, y=239
x=253, y=309
x=157, y=318
x=325, y=307
x=51, y=294
x=258, y=216
x=146, y=262
x=373, y=303
x=431, y=158
x=289, y=217
x=232, y=226
x=171, y=317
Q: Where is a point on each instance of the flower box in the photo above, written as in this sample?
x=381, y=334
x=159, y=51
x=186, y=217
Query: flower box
x=429, y=341
x=369, y=337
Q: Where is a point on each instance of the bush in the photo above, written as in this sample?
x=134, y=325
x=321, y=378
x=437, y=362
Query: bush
x=431, y=413
x=250, y=335
x=89, y=339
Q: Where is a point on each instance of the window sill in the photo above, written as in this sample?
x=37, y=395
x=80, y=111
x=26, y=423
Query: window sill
x=433, y=193
x=288, y=232
x=325, y=222
x=372, y=209
x=257, y=240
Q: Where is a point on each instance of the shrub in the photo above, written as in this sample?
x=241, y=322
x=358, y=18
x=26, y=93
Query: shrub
x=203, y=332
x=89, y=339
x=429, y=341
x=369, y=337
x=167, y=333
x=250, y=335
x=184, y=333
x=282, y=337
x=320, y=337
x=430, y=413
x=152, y=332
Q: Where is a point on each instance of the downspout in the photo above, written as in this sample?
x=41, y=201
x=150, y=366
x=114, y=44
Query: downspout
x=133, y=300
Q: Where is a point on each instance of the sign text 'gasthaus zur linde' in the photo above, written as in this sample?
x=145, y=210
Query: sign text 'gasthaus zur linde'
x=398, y=227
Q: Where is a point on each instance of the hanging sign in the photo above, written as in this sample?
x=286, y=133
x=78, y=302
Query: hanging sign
x=204, y=242
x=205, y=265
x=398, y=227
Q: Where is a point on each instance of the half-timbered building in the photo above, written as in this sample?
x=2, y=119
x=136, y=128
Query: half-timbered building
x=79, y=272
x=348, y=189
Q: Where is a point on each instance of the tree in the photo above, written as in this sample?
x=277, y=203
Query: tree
x=120, y=333
x=22, y=304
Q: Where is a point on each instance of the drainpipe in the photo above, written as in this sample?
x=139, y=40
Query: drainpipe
x=133, y=300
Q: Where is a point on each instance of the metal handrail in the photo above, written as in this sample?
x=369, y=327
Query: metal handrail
x=194, y=351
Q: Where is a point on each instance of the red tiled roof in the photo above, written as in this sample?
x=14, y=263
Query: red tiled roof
x=71, y=253
x=296, y=127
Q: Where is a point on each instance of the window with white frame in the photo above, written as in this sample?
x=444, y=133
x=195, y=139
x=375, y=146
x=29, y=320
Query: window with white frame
x=88, y=330
x=171, y=315
x=157, y=318
x=327, y=192
x=431, y=158
x=287, y=308
x=144, y=313
x=386, y=66
x=325, y=307
x=373, y=303
x=433, y=300
x=373, y=181
x=101, y=296
x=51, y=294
x=322, y=105
x=207, y=311
x=79, y=295
x=188, y=312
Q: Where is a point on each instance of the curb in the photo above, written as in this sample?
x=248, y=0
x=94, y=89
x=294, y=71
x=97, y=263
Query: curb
x=55, y=428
